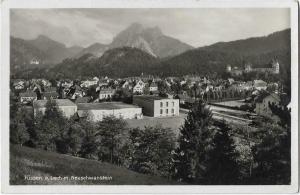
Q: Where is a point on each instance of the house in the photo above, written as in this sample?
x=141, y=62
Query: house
x=34, y=61
x=157, y=106
x=139, y=87
x=88, y=83
x=27, y=97
x=19, y=84
x=263, y=101
x=98, y=111
x=67, y=107
x=153, y=87
x=259, y=85
x=106, y=93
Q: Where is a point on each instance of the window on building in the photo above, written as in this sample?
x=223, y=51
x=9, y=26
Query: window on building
x=161, y=111
x=172, y=110
x=167, y=104
x=167, y=111
x=173, y=104
x=161, y=104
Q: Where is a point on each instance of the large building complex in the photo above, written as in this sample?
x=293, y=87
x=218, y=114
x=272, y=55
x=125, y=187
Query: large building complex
x=272, y=67
x=157, y=106
x=67, y=107
x=97, y=111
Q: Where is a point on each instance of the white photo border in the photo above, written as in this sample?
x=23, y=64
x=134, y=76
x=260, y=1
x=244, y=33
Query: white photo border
x=6, y=5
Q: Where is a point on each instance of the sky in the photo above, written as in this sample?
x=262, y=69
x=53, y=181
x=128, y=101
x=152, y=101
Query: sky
x=194, y=26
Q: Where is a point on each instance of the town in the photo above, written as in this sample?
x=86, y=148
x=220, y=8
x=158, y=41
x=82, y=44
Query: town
x=145, y=97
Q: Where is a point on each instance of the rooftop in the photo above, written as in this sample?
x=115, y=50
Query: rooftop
x=149, y=97
x=59, y=102
x=28, y=94
x=104, y=106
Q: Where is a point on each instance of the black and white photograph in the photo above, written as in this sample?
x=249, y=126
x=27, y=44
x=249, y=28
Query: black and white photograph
x=160, y=96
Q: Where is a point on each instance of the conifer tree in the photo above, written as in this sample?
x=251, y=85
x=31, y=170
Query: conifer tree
x=194, y=142
x=273, y=154
x=222, y=168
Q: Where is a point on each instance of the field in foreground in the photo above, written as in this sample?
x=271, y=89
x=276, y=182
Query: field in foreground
x=30, y=166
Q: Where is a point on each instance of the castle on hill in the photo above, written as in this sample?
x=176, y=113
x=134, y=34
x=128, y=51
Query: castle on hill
x=272, y=67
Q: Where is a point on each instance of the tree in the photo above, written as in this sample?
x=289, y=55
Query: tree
x=283, y=113
x=18, y=132
x=222, y=163
x=273, y=156
x=50, y=128
x=194, y=143
x=90, y=142
x=110, y=130
x=21, y=123
x=74, y=138
x=91, y=92
x=150, y=150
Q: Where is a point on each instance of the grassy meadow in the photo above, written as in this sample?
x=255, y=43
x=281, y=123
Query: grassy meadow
x=28, y=166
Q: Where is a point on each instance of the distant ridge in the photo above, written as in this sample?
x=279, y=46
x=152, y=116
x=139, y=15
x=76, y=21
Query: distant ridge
x=132, y=61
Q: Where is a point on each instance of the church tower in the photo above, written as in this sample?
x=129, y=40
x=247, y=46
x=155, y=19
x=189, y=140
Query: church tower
x=275, y=66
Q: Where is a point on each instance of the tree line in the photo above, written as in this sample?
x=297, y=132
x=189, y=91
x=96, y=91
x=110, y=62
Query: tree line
x=206, y=151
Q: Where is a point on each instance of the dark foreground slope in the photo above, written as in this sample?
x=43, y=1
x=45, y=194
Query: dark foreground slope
x=32, y=162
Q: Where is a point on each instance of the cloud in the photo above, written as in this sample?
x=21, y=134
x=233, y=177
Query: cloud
x=197, y=27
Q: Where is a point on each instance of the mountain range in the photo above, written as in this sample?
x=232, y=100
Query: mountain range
x=139, y=50
x=150, y=40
